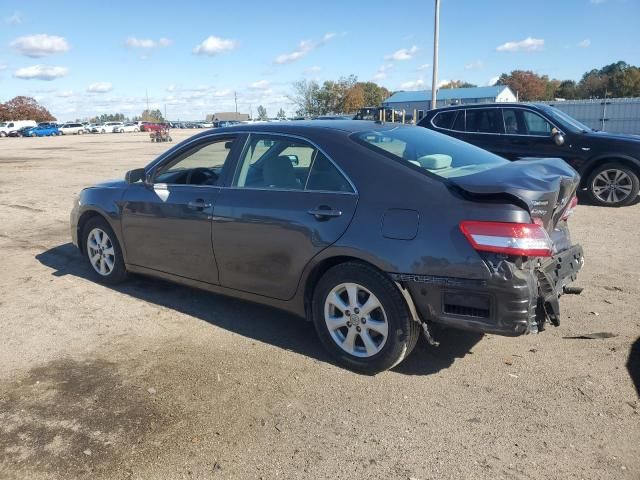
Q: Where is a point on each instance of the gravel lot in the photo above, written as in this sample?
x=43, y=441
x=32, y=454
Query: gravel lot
x=152, y=380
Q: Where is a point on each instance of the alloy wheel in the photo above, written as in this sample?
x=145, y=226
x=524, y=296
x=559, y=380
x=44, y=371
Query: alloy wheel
x=611, y=186
x=356, y=320
x=100, y=251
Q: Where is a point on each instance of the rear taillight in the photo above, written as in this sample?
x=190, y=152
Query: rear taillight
x=522, y=239
x=573, y=203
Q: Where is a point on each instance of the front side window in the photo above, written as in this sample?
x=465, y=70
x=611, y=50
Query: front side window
x=435, y=153
x=484, y=120
x=535, y=124
x=201, y=165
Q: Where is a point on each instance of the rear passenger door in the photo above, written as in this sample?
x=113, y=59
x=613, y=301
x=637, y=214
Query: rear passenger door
x=287, y=202
x=484, y=128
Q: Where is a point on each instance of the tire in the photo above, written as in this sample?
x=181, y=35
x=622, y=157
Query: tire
x=109, y=268
x=136, y=130
x=353, y=340
x=79, y=132
x=613, y=185
x=3, y=134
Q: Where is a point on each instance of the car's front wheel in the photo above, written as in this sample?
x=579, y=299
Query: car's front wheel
x=362, y=319
x=613, y=185
x=103, y=251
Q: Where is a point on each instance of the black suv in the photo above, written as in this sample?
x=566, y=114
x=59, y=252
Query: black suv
x=609, y=164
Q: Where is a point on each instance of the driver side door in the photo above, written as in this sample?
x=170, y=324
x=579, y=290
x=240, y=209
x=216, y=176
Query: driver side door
x=166, y=221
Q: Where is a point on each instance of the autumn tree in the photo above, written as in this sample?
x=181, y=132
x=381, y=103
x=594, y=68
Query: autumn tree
x=25, y=108
x=374, y=94
x=527, y=85
x=353, y=99
x=262, y=113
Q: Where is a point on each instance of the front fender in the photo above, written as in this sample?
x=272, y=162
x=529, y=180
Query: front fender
x=105, y=202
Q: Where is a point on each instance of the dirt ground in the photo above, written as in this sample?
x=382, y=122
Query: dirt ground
x=151, y=380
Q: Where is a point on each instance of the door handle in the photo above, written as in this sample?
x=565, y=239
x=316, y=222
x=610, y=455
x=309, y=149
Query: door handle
x=324, y=213
x=198, y=204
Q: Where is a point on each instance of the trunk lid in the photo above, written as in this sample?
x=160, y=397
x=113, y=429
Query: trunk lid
x=543, y=186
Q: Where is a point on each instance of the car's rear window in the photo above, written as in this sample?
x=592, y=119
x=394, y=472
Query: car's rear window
x=431, y=151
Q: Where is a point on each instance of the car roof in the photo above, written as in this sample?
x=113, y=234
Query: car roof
x=486, y=105
x=309, y=126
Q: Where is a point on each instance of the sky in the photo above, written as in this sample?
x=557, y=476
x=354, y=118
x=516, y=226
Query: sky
x=193, y=57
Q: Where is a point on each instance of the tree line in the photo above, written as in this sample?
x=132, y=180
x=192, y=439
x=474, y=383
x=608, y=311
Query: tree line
x=615, y=80
x=348, y=95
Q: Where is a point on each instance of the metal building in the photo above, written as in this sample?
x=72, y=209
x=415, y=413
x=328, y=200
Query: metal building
x=616, y=115
x=420, y=100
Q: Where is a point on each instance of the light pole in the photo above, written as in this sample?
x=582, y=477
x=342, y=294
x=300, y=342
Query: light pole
x=436, y=34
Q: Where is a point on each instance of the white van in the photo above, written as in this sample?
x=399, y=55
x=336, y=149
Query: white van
x=6, y=127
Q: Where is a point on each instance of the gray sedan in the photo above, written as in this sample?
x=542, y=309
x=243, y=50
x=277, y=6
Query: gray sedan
x=376, y=233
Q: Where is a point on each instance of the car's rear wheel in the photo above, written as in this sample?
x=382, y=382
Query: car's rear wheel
x=3, y=134
x=103, y=251
x=613, y=185
x=362, y=319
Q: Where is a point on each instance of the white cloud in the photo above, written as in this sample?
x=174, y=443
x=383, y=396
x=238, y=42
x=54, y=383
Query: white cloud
x=493, y=80
x=259, y=85
x=304, y=47
x=383, y=71
x=41, y=45
x=222, y=93
x=147, y=43
x=65, y=94
x=402, y=54
x=423, y=67
x=15, y=19
x=477, y=65
x=584, y=43
x=412, y=85
x=100, y=87
x=171, y=88
x=214, y=45
x=3, y=66
x=41, y=72
x=529, y=44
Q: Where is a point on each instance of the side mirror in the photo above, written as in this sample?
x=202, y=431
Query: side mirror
x=558, y=138
x=295, y=161
x=136, y=175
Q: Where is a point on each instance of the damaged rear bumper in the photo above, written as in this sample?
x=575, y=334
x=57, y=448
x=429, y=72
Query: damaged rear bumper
x=516, y=299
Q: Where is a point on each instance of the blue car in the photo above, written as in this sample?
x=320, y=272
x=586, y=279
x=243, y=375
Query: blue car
x=42, y=131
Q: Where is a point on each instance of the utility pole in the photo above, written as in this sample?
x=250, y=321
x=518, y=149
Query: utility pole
x=436, y=35
x=235, y=97
x=165, y=112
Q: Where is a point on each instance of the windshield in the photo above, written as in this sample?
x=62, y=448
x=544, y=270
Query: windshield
x=436, y=153
x=570, y=123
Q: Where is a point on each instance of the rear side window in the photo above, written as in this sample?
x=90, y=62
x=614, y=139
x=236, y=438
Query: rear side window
x=445, y=119
x=484, y=120
x=325, y=176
